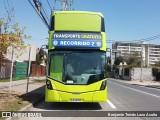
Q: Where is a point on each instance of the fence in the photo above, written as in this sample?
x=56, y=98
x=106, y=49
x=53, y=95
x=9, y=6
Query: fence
x=20, y=70
x=5, y=70
x=38, y=70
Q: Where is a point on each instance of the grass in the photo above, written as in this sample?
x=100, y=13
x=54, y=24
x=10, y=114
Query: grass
x=16, y=102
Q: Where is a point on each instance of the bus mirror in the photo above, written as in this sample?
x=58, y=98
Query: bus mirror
x=44, y=47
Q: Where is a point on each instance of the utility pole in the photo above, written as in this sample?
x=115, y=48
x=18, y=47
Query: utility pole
x=141, y=76
x=11, y=74
x=29, y=65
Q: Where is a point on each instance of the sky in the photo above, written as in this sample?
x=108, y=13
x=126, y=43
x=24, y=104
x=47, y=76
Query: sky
x=125, y=20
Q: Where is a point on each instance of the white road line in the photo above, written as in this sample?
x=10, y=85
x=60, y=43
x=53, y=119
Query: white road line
x=136, y=90
x=111, y=104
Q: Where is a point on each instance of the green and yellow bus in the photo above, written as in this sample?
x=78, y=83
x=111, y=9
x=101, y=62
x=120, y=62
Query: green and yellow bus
x=76, y=58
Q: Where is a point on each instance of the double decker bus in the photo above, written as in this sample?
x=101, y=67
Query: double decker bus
x=76, y=58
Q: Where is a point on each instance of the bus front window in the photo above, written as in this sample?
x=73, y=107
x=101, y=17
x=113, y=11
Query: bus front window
x=78, y=67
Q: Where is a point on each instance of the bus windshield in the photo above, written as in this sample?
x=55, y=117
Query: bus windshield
x=77, y=67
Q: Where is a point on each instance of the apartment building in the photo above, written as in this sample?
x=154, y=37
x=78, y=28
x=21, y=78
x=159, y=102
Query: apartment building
x=150, y=53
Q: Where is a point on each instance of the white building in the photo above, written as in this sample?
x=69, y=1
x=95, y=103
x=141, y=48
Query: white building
x=150, y=53
x=23, y=55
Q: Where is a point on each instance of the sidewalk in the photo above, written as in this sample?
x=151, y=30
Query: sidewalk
x=151, y=84
x=19, y=86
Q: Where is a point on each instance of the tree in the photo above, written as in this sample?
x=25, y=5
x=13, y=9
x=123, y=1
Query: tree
x=157, y=64
x=118, y=60
x=133, y=60
x=11, y=36
x=41, y=56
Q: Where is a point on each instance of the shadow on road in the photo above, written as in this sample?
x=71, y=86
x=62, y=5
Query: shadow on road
x=34, y=96
x=68, y=106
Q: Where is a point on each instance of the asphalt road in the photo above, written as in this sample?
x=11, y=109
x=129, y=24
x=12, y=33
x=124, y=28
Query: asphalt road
x=121, y=97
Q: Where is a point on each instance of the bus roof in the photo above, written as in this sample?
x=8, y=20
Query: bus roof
x=80, y=12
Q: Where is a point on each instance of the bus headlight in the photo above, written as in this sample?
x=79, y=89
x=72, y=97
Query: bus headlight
x=103, y=85
x=49, y=85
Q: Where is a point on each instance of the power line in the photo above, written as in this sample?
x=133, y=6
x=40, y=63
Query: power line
x=150, y=38
x=50, y=6
x=39, y=14
x=45, y=13
x=46, y=16
x=140, y=40
x=38, y=5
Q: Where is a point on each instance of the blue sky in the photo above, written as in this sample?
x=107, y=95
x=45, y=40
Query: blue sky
x=125, y=20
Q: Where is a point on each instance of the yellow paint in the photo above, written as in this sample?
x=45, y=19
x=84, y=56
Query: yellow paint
x=86, y=93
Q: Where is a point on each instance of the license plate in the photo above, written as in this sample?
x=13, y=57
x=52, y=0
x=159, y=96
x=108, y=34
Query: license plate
x=76, y=100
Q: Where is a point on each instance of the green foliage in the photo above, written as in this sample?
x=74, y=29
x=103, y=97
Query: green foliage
x=108, y=68
x=11, y=36
x=157, y=64
x=41, y=56
x=118, y=60
x=133, y=61
x=154, y=71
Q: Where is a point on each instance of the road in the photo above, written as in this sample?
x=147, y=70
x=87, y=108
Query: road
x=121, y=96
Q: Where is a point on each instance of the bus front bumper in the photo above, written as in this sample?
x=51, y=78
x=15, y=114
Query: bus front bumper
x=62, y=96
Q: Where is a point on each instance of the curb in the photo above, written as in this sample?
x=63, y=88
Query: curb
x=147, y=86
x=150, y=86
x=26, y=108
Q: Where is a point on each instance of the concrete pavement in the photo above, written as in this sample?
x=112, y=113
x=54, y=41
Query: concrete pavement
x=19, y=86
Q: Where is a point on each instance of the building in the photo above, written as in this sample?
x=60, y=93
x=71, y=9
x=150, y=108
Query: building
x=23, y=55
x=150, y=53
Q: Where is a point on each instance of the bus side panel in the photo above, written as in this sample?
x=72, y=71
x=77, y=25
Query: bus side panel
x=104, y=45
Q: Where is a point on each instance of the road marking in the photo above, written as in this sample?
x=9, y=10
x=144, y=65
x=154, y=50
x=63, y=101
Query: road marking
x=111, y=104
x=136, y=90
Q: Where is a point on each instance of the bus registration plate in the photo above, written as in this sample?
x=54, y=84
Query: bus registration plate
x=76, y=100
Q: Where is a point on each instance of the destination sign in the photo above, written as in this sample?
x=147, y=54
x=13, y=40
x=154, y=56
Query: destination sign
x=77, y=43
x=90, y=36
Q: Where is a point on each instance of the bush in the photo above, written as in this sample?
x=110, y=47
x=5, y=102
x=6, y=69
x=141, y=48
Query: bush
x=154, y=71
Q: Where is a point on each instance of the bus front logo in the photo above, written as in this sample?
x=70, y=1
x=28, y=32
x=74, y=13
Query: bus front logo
x=98, y=44
x=55, y=43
